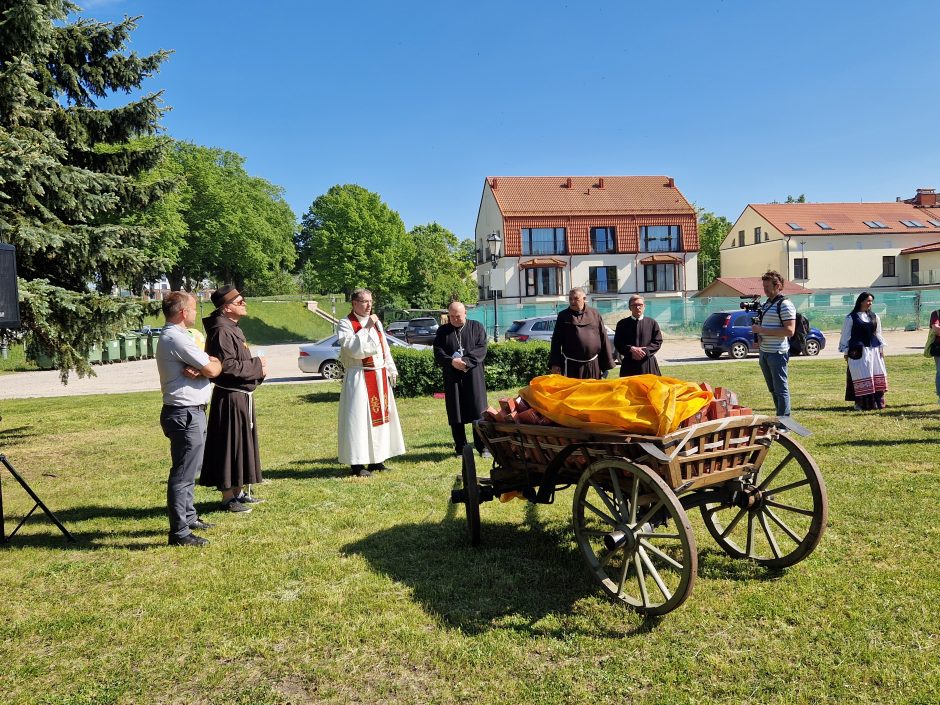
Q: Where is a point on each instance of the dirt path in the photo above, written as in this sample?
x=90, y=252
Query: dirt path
x=141, y=376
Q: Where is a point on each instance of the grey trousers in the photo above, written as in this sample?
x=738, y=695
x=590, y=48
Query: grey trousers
x=185, y=426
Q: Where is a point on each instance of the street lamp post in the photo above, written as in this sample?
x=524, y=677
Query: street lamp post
x=495, y=244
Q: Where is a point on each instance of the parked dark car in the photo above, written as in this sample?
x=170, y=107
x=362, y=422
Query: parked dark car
x=397, y=328
x=730, y=332
x=421, y=330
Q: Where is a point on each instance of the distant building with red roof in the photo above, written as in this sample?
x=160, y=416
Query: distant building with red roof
x=837, y=245
x=612, y=235
x=746, y=286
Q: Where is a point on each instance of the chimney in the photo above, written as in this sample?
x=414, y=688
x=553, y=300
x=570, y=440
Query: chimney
x=600, y=182
x=493, y=183
x=670, y=182
x=568, y=182
x=925, y=197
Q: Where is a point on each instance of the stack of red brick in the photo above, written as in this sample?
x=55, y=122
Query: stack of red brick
x=516, y=410
x=725, y=404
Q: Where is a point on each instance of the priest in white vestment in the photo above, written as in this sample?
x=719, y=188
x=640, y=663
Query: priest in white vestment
x=369, y=430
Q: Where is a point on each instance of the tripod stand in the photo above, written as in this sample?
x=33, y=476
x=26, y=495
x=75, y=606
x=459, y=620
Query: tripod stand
x=38, y=505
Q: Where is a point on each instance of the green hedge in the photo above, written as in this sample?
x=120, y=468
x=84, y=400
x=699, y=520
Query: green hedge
x=508, y=366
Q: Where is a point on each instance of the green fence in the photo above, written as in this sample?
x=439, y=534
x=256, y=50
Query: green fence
x=825, y=309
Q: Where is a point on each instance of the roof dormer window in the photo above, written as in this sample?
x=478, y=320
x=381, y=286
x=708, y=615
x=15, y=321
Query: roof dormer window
x=795, y=226
x=823, y=225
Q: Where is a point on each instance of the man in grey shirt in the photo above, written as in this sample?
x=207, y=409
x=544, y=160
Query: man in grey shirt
x=185, y=371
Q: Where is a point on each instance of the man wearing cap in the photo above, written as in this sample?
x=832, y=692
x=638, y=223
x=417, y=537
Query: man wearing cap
x=369, y=430
x=184, y=372
x=231, y=459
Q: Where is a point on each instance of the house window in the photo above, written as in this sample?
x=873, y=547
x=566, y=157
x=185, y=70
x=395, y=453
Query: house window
x=542, y=281
x=603, y=280
x=660, y=277
x=659, y=238
x=756, y=235
x=740, y=238
x=602, y=240
x=543, y=241
x=800, y=268
x=887, y=266
x=915, y=272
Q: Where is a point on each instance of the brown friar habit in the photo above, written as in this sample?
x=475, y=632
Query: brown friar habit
x=464, y=392
x=231, y=457
x=579, y=344
x=644, y=333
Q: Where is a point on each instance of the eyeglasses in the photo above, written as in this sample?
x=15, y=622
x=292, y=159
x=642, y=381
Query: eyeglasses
x=240, y=302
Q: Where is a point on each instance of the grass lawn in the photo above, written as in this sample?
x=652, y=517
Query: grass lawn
x=364, y=591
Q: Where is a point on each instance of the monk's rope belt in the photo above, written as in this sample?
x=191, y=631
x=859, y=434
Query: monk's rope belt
x=251, y=416
x=574, y=359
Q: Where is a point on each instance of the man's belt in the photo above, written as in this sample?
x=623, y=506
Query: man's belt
x=574, y=359
x=251, y=417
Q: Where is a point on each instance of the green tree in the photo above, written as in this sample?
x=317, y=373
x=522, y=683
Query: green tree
x=351, y=238
x=712, y=230
x=799, y=199
x=68, y=172
x=439, y=271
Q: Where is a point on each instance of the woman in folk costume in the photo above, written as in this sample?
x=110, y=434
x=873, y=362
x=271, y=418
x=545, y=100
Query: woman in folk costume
x=863, y=345
x=369, y=429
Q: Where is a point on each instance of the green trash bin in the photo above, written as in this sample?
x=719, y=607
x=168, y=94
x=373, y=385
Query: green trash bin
x=129, y=350
x=143, y=346
x=43, y=360
x=94, y=354
x=110, y=352
x=152, y=341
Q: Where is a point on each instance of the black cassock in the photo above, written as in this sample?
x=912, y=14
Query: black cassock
x=579, y=344
x=464, y=392
x=644, y=333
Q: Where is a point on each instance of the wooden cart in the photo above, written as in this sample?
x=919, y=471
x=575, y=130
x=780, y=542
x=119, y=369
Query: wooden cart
x=760, y=494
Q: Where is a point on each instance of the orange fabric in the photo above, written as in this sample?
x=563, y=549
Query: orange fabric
x=646, y=404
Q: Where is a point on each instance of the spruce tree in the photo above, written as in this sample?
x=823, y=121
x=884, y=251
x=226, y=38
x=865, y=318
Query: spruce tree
x=68, y=173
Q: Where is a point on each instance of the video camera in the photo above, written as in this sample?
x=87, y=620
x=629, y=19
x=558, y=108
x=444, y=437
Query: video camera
x=752, y=305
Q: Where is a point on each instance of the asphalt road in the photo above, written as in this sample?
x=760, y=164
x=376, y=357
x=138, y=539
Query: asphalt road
x=141, y=376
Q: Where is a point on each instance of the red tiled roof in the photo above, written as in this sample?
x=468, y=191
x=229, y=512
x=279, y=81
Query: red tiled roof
x=550, y=195
x=751, y=286
x=932, y=247
x=847, y=218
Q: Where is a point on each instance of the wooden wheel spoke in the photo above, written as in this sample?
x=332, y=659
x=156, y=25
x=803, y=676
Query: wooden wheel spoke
x=668, y=559
x=770, y=537
x=649, y=515
x=654, y=535
x=787, y=488
x=608, y=519
x=734, y=523
x=788, y=508
x=607, y=501
x=623, y=578
x=783, y=527
x=634, y=494
x=750, y=535
x=776, y=470
x=641, y=579
x=594, y=532
x=604, y=558
x=618, y=494
x=655, y=574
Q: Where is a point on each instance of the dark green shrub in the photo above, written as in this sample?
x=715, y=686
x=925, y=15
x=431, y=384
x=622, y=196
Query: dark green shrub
x=508, y=366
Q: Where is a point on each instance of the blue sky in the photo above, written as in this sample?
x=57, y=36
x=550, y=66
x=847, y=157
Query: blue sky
x=740, y=101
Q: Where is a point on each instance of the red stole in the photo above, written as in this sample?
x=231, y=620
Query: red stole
x=378, y=408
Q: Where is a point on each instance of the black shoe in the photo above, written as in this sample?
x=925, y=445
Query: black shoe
x=360, y=471
x=234, y=506
x=377, y=467
x=188, y=540
x=200, y=524
x=248, y=499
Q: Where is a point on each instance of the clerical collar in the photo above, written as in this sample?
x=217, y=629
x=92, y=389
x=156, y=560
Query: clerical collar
x=362, y=319
x=640, y=318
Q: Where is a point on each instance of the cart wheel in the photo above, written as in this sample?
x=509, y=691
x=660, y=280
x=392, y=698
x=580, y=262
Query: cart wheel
x=780, y=513
x=638, y=560
x=471, y=494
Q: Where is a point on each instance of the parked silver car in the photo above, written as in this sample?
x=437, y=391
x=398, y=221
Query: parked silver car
x=540, y=328
x=322, y=357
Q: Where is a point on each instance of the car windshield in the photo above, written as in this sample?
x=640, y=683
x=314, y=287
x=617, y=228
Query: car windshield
x=516, y=325
x=326, y=341
x=422, y=322
x=715, y=320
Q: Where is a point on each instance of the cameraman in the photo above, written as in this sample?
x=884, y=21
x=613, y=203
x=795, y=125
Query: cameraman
x=777, y=322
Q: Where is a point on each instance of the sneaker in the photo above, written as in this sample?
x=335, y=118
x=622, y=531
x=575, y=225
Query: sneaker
x=360, y=471
x=248, y=499
x=200, y=524
x=234, y=506
x=188, y=540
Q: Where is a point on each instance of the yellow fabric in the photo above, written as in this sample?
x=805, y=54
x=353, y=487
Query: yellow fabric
x=646, y=404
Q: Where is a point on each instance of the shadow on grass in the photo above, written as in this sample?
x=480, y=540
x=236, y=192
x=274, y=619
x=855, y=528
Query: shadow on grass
x=313, y=469
x=519, y=575
x=715, y=564
x=326, y=396
x=438, y=457
x=8, y=435
x=874, y=443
